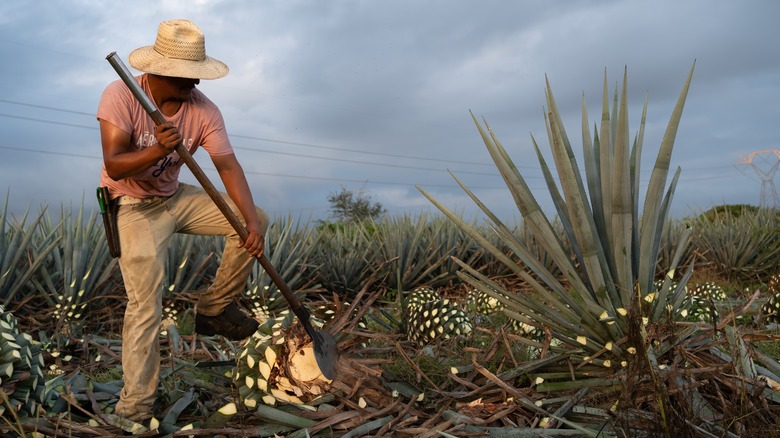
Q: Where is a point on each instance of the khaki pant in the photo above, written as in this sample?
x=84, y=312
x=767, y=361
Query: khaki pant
x=145, y=229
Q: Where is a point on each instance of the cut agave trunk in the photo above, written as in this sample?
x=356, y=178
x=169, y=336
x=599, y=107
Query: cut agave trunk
x=277, y=364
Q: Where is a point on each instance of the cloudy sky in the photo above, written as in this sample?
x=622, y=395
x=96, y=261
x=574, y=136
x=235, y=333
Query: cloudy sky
x=375, y=96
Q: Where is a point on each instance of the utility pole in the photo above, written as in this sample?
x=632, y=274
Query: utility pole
x=765, y=163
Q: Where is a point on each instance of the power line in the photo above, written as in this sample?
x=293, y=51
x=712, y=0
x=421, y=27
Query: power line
x=251, y=172
x=310, y=145
x=52, y=122
x=343, y=160
x=41, y=151
x=73, y=125
x=75, y=155
x=249, y=137
x=31, y=105
x=358, y=151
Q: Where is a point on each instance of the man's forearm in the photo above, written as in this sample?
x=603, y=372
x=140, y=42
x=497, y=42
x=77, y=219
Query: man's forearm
x=130, y=164
x=237, y=188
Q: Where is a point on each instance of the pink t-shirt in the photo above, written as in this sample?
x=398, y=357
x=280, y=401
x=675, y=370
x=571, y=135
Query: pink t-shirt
x=198, y=120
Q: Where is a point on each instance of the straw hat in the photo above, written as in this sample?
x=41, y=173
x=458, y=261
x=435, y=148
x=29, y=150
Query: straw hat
x=179, y=51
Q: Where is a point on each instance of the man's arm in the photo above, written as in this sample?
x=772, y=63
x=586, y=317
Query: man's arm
x=123, y=161
x=233, y=177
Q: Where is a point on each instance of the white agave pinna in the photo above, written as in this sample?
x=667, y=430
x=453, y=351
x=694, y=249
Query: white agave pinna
x=433, y=321
x=421, y=295
x=430, y=318
x=482, y=303
x=771, y=309
x=709, y=290
x=277, y=364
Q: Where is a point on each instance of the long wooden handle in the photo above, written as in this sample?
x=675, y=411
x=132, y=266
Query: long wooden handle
x=158, y=118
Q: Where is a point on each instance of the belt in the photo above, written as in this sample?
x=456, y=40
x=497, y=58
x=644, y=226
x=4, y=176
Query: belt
x=129, y=200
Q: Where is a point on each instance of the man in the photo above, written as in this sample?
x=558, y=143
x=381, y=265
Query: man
x=141, y=169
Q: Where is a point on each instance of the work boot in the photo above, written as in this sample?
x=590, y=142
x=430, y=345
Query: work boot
x=232, y=323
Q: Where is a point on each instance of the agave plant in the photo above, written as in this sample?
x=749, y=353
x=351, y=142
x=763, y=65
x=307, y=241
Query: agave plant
x=607, y=313
x=741, y=244
x=413, y=254
x=22, y=252
x=615, y=247
x=78, y=271
x=289, y=247
x=188, y=258
x=421, y=295
x=343, y=255
x=451, y=241
x=773, y=285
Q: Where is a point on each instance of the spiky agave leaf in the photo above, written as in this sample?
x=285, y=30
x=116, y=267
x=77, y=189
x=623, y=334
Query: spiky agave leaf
x=615, y=245
x=277, y=365
x=22, y=376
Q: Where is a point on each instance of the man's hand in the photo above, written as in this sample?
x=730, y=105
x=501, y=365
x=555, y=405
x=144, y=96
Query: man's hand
x=168, y=137
x=255, y=242
x=123, y=160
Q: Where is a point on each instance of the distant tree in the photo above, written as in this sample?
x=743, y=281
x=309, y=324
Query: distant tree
x=346, y=206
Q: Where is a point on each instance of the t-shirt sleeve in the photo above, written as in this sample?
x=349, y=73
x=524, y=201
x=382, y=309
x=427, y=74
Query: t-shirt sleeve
x=115, y=106
x=215, y=138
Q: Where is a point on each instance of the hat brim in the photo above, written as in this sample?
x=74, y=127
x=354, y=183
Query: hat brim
x=148, y=60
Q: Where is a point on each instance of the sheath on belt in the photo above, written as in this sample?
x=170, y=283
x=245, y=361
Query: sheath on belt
x=108, y=210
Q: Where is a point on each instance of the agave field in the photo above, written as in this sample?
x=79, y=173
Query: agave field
x=608, y=318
